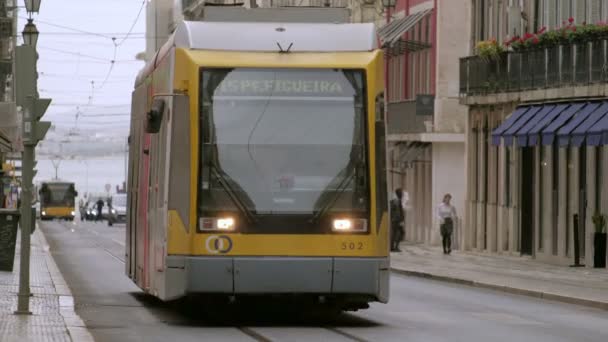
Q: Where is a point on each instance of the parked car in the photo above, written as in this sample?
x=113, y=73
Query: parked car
x=117, y=209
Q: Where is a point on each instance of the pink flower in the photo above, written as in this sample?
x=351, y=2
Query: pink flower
x=542, y=29
x=570, y=20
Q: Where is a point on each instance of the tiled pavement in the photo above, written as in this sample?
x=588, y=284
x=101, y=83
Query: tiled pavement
x=53, y=317
x=521, y=275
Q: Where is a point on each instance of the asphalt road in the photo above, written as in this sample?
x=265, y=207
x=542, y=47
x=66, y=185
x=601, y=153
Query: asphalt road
x=90, y=257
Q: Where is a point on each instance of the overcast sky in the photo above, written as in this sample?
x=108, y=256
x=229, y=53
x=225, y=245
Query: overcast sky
x=76, y=48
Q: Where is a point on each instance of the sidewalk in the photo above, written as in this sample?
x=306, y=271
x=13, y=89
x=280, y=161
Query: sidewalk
x=519, y=275
x=53, y=317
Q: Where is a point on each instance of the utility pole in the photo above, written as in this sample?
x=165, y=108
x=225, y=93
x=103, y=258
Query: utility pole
x=33, y=130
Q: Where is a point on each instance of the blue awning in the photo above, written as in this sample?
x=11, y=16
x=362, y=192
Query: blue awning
x=549, y=132
x=579, y=134
x=510, y=132
x=564, y=133
x=498, y=131
x=522, y=134
x=598, y=134
x=534, y=132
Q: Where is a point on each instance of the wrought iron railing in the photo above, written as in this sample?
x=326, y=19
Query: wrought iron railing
x=554, y=67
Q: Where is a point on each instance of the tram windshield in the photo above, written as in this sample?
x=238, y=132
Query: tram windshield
x=283, y=141
x=57, y=194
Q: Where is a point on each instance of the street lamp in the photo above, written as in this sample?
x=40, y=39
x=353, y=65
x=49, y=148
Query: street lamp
x=30, y=33
x=32, y=6
x=389, y=3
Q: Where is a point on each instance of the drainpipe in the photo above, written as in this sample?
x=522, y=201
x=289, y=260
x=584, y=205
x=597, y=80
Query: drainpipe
x=386, y=68
x=434, y=49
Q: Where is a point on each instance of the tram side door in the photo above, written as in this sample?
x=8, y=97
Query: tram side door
x=143, y=240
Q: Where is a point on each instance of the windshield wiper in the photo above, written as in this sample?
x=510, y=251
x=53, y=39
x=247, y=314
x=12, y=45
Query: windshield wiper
x=333, y=199
x=232, y=194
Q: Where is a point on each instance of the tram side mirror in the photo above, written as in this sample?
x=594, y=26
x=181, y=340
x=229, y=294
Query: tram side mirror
x=154, y=118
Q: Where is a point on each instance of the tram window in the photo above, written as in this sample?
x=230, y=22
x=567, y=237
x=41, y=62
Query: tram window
x=286, y=141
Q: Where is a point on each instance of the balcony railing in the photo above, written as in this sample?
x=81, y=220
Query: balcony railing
x=554, y=67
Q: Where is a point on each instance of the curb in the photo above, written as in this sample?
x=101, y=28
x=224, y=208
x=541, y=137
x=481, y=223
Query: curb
x=507, y=289
x=74, y=324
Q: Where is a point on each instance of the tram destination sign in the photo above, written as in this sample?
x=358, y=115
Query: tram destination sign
x=330, y=84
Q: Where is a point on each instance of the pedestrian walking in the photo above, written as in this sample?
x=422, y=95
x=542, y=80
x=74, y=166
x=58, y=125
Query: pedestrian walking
x=397, y=221
x=99, y=209
x=446, y=213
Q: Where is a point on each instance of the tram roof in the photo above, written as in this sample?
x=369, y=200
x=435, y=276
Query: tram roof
x=56, y=181
x=268, y=37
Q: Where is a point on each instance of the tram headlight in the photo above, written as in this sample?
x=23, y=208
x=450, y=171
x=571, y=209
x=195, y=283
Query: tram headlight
x=43, y=213
x=217, y=223
x=225, y=223
x=73, y=213
x=343, y=225
x=349, y=225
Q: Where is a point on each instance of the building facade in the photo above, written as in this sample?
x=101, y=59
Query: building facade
x=536, y=160
x=423, y=39
x=10, y=134
x=9, y=139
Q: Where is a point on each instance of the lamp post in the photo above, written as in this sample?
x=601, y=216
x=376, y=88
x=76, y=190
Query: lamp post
x=33, y=130
x=32, y=6
x=30, y=34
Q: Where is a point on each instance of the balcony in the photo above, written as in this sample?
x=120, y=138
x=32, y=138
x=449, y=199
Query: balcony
x=582, y=66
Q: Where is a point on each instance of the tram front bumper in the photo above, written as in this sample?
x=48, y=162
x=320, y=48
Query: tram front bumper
x=278, y=275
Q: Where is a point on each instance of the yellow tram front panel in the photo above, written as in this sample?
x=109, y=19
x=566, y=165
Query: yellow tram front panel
x=235, y=244
x=58, y=211
x=187, y=241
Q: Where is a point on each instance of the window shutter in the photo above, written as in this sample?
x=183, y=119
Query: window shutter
x=580, y=11
x=595, y=11
x=565, y=11
x=551, y=8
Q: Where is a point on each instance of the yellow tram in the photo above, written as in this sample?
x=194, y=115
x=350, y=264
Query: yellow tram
x=257, y=164
x=57, y=200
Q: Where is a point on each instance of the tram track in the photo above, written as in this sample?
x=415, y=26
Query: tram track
x=100, y=241
x=98, y=244
x=260, y=337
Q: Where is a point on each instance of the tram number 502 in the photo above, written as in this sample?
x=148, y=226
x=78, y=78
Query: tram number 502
x=351, y=246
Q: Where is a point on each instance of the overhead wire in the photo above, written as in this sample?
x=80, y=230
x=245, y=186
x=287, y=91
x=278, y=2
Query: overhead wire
x=116, y=45
x=117, y=40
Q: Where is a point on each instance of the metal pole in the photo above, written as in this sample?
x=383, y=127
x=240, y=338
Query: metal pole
x=126, y=153
x=87, y=176
x=27, y=163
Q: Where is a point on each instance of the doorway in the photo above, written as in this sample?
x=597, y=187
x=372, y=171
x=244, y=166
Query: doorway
x=527, y=201
x=582, y=184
